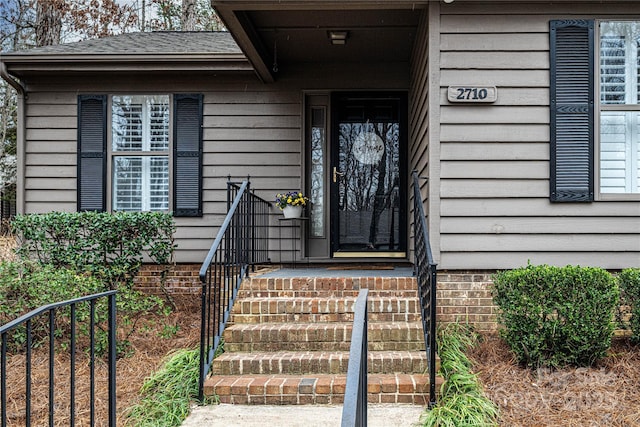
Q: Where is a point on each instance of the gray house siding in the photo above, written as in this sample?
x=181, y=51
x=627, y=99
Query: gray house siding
x=487, y=196
x=249, y=129
x=494, y=178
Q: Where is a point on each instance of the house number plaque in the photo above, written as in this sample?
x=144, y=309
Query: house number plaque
x=472, y=94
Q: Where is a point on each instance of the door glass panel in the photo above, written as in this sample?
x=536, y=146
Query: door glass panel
x=317, y=171
x=368, y=178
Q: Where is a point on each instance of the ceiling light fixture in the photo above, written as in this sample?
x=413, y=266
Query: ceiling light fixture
x=338, y=37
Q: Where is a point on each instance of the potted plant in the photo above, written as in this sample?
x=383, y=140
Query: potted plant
x=291, y=203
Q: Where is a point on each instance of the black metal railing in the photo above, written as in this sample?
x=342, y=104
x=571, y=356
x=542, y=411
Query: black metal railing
x=426, y=274
x=354, y=411
x=19, y=335
x=241, y=243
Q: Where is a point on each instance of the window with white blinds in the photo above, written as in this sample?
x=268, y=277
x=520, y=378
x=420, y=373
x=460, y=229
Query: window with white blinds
x=140, y=152
x=619, y=107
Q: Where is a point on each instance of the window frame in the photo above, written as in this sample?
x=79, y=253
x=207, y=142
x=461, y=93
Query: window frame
x=111, y=154
x=599, y=108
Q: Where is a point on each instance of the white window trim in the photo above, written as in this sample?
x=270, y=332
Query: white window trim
x=111, y=153
x=600, y=196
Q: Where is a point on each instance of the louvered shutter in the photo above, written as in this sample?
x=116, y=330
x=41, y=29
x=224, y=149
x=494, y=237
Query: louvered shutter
x=187, y=155
x=572, y=110
x=92, y=146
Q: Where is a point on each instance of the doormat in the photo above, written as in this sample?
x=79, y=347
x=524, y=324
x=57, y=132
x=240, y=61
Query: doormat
x=362, y=267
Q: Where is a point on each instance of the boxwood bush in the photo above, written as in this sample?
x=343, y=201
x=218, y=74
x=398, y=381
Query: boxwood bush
x=110, y=246
x=556, y=316
x=629, y=281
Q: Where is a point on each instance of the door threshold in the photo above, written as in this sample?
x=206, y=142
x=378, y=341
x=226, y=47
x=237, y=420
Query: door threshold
x=369, y=254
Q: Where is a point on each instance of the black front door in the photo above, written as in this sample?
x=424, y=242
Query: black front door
x=368, y=176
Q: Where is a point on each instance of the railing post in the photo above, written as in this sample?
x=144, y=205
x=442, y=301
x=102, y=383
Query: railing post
x=204, y=308
x=432, y=335
x=112, y=360
x=3, y=380
x=354, y=411
x=426, y=274
x=224, y=268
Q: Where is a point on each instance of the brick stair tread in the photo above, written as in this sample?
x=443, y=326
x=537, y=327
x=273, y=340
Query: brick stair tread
x=240, y=332
x=315, y=388
x=332, y=305
x=327, y=362
x=331, y=283
x=307, y=293
x=321, y=317
x=321, y=336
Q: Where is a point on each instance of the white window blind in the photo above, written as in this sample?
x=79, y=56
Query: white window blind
x=140, y=151
x=619, y=107
x=613, y=74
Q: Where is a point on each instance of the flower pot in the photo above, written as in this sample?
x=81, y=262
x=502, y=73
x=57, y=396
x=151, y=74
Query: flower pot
x=292, y=211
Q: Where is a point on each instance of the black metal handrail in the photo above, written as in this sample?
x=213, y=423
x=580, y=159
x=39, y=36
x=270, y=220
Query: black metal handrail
x=426, y=274
x=241, y=242
x=354, y=411
x=27, y=321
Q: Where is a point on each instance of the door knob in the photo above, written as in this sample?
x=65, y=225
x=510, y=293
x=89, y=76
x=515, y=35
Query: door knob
x=336, y=174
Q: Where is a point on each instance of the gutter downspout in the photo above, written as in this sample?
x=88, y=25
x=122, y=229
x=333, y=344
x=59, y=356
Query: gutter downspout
x=20, y=133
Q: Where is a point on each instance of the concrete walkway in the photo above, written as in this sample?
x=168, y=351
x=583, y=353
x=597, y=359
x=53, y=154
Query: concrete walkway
x=378, y=415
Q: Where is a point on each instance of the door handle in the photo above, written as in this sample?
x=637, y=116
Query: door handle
x=336, y=174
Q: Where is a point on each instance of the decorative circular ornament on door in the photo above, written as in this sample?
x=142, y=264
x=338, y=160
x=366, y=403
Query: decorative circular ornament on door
x=368, y=148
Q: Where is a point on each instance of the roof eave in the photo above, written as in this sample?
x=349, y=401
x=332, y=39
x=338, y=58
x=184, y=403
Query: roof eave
x=21, y=64
x=234, y=15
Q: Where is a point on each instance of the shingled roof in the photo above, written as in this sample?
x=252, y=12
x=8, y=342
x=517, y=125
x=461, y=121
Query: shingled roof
x=161, y=42
x=163, y=51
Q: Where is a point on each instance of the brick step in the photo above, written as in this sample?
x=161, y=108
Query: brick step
x=332, y=293
x=321, y=317
x=314, y=389
x=262, y=306
x=382, y=336
x=331, y=284
x=327, y=362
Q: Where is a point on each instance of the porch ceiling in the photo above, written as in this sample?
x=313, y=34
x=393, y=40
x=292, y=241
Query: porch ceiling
x=275, y=34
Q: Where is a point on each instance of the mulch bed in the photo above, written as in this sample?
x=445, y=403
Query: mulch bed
x=606, y=395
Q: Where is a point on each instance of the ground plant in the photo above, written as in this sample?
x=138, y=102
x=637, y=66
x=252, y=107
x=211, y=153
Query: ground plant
x=27, y=286
x=462, y=401
x=167, y=394
x=105, y=249
x=555, y=316
x=629, y=280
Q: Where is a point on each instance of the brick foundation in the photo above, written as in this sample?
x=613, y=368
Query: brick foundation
x=182, y=283
x=462, y=296
x=466, y=297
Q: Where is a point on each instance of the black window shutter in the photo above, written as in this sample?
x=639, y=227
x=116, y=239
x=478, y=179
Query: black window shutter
x=572, y=110
x=92, y=158
x=187, y=155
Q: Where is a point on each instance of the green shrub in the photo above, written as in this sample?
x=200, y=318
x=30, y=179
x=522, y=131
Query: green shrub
x=27, y=286
x=112, y=247
x=462, y=401
x=555, y=316
x=629, y=281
